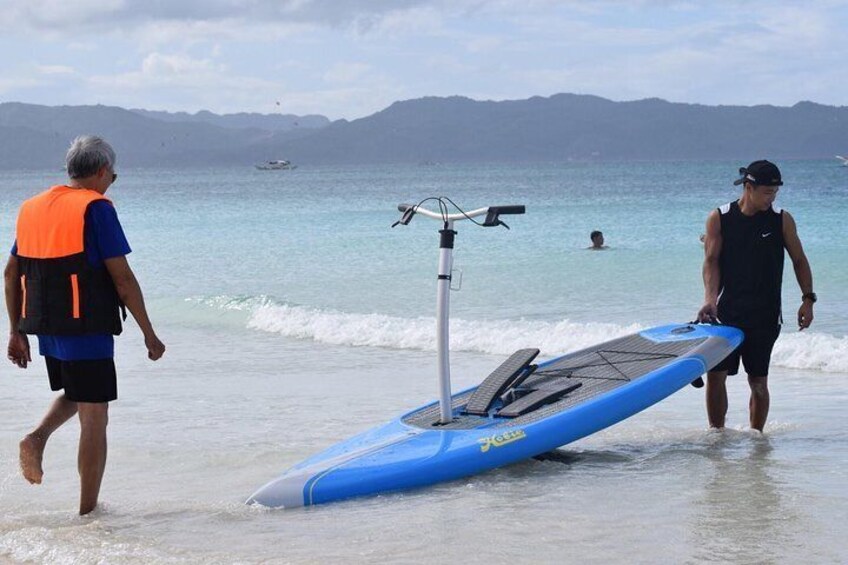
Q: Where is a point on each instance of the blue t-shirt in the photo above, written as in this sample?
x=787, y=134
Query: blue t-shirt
x=104, y=239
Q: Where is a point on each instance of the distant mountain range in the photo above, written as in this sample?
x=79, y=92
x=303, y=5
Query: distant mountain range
x=268, y=122
x=34, y=136
x=454, y=129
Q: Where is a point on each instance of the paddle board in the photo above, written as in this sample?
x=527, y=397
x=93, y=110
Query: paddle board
x=519, y=411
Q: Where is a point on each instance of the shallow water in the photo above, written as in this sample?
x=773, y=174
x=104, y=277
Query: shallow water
x=284, y=340
x=658, y=487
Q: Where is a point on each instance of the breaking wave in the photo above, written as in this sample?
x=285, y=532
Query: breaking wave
x=811, y=351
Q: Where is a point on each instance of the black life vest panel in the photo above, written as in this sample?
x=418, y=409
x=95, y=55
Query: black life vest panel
x=62, y=293
x=751, y=264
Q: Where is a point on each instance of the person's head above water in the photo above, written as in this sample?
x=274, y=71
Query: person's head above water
x=597, y=238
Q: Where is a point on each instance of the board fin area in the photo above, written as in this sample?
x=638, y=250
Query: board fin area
x=509, y=374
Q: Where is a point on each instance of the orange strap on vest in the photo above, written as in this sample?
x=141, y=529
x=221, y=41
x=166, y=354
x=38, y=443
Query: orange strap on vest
x=24, y=297
x=52, y=224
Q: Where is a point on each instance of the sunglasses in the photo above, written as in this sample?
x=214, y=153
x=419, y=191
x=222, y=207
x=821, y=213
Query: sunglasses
x=114, y=174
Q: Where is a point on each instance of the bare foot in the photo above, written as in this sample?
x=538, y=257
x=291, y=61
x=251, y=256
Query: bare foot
x=87, y=508
x=32, y=449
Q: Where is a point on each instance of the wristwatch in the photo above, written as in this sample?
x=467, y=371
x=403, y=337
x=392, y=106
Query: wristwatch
x=811, y=296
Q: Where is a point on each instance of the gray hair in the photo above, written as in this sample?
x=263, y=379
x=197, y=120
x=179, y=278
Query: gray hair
x=87, y=154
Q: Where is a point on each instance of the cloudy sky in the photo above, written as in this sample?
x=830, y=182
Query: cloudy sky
x=350, y=58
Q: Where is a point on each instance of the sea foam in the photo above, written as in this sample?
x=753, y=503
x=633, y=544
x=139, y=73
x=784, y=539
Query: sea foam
x=807, y=350
x=500, y=337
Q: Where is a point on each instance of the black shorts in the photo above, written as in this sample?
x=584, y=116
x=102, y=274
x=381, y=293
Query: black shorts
x=91, y=380
x=755, y=352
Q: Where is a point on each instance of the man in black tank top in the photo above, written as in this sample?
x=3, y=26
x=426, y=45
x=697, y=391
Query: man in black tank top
x=743, y=274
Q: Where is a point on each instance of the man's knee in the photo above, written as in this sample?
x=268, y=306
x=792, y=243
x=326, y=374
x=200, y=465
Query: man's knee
x=93, y=414
x=759, y=385
x=715, y=378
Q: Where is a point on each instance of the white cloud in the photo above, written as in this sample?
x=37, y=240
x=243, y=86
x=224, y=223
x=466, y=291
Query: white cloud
x=55, y=69
x=159, y=65
x=484, y=44
x=343, y=73
x=58, y=15
x=13, y=84
x=82, y=46
x=181, y=82
x=163, y=34
x=416, y=21
x=454, y=64
x=172, y=70
x=353, y=57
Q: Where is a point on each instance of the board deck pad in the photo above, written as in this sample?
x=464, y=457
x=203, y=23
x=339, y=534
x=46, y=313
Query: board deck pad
x=598, y=369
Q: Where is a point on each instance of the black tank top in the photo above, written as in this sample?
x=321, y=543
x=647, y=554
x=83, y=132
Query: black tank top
x=751, y=264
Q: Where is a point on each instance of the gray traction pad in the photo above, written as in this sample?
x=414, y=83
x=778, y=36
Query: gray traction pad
x=633, y=356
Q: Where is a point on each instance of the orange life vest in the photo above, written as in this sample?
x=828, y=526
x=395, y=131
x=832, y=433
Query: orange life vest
x=62, y=293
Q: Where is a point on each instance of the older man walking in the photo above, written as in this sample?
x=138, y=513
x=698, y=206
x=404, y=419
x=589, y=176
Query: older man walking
x=68, y=281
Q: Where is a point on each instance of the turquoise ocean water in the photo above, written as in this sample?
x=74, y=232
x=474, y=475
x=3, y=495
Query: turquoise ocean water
x=295, y=317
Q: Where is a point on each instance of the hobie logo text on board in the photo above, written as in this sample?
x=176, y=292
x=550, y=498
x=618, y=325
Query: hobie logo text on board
x=500, y=439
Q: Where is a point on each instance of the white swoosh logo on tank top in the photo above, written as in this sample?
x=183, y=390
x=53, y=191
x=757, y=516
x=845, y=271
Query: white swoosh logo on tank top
x=765, y=234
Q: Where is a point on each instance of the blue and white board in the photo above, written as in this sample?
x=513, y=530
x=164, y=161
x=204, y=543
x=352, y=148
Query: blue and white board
x=521, y=411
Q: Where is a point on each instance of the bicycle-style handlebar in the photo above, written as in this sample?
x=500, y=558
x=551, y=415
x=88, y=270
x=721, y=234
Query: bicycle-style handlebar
x=492, y=214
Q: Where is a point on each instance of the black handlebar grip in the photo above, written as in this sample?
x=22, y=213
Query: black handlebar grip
x=493, y=216
x=515, y=209
x=408, y=211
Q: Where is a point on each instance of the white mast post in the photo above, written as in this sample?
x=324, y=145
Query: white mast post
x=443, y=320
x=446, y=241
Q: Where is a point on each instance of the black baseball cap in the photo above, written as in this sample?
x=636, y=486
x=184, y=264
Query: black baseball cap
x=760, y=173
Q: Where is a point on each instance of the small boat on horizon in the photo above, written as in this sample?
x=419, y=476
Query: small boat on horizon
x=276, y=165
x=843, y=159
